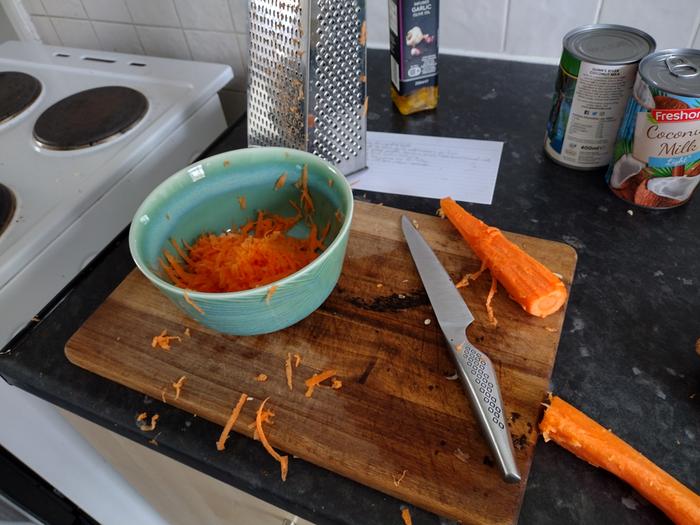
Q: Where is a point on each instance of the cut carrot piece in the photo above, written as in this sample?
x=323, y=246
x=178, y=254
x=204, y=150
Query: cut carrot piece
x=406, y=516
x=336, y=384
x=221, y=443
x=280, y=182
x=489, y=298
x=288, y=370
x=588, y=440
x=316, y=379
x=194, y=305
x=163, y=340
x=270, y=293
x=178, y=386
x=151, y=426
x=527, y=281
x=261, y=378
x=142, y=416
x=297, y=360
x=242, y=202
x=266, y=417
x=283, y=460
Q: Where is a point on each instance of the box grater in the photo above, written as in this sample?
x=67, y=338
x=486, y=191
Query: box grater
x=307, y=78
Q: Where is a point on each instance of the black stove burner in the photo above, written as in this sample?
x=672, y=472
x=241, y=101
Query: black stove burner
x=89, y=117
x=7, y=207
x=17, y=92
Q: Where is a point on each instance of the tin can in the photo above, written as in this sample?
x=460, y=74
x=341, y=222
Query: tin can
x=596, y=73
x=656, y=163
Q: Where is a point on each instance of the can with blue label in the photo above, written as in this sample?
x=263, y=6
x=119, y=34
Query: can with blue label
x=656, y=163
x=596, y=73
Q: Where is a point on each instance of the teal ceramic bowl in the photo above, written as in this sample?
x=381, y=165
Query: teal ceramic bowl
x=204, y=197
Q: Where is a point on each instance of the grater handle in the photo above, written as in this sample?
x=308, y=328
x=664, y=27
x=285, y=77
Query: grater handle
x=479, y=380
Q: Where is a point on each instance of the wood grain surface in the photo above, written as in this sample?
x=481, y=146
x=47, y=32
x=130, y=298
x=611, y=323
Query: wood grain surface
x=397, y=410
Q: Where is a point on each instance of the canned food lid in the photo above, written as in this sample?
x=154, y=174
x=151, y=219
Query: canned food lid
x=676, y=71
x=608, y=44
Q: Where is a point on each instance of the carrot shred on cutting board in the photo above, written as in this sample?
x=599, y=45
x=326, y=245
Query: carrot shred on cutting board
x=266, y=417
x=527, y=281
x=261, y=378
x=464, y=281
x=187, y=332
x=489, y=298
x=178, y=386
x=283, y=460
x=221, y=443
x=288, y=370
x=336, y=384
x=406, y=516
x=316, y=379
x=163, y=340
x=297, y=360
x=579, y=434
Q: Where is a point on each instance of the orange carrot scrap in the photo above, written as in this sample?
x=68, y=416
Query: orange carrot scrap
x=464, y=281
x=489, y=298
x=283, y=460
x=303, y=185
x=288, y=370
x=316, y=379
x=141, y=416
x=336, y=384
x=194, y=305
x=151, y=426
x=363, y=33
x=270, y=293
x=266, y=417
x=261, y=378
x=297, y=360
x=440, y=213
x=187, y=332
x=162, y=394
x=163, y=340
x=242, y=202
x=588, y=440
x=406, y=516
x=178, y=386
x=398, y=478
x=280, y=182
x=526, y=280
x=221, y=443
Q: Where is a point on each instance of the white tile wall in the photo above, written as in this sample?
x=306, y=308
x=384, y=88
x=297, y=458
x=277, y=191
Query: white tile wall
x=215, y=30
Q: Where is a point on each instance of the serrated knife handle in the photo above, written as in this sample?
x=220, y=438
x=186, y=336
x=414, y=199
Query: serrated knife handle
x=478, y=377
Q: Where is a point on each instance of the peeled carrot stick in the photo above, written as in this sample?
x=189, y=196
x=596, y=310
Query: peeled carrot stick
x=585, y=438
x=527, y=281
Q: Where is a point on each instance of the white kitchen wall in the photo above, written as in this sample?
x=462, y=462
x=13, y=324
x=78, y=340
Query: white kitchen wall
x=214, y=30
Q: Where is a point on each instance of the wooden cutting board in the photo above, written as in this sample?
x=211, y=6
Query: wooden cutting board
x=397, y=412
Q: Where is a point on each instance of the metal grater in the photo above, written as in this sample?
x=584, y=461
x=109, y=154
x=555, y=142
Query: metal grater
x=307, y=79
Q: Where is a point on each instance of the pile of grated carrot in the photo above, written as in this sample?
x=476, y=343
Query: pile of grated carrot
x=254, y=255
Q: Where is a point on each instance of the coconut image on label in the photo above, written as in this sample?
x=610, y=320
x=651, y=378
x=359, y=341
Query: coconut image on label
x=656, y=163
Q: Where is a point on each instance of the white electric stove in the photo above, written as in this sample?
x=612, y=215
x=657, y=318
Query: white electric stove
x=84, y=137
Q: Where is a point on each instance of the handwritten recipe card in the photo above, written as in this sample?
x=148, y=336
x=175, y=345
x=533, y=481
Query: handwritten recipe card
x=434, y=167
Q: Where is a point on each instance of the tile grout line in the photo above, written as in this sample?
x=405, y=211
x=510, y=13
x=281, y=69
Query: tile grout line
x=184, y=34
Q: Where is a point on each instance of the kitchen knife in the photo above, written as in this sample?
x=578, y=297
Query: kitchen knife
x=473, y=366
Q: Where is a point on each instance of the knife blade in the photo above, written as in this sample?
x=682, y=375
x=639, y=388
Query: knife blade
x=474, y=368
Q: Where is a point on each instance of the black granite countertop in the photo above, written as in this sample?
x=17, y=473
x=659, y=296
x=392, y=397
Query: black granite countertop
x=627, y=352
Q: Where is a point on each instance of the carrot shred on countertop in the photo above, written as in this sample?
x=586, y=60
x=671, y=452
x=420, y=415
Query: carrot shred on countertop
x=178, y=386
x=163, y=340
x=315, y=379
x=398, y=478
x=221, y=443
x=288, y=370
x=489, y=298
x=584, y=437
x=270, y=293
x=283, y=460
x=297, y=360
x=242, y=202
x=280, y=182
x=151, y=426
x=194, y=305
x=261, y=378
x=531, y=284
x=406, y=516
